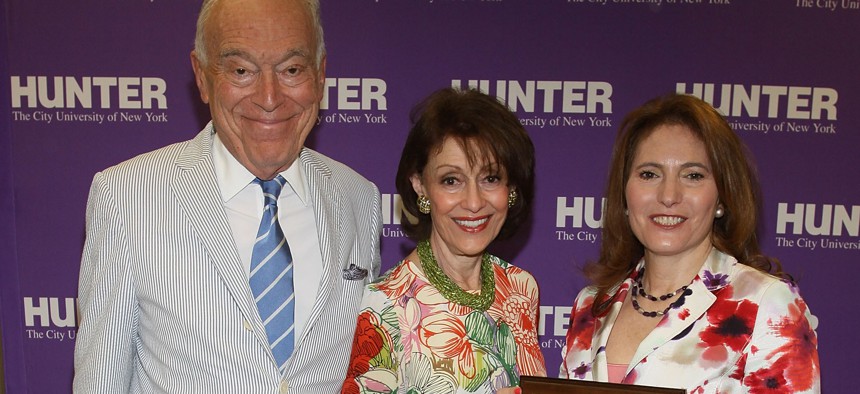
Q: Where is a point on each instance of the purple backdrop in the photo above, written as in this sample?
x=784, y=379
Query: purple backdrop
x=88, y=85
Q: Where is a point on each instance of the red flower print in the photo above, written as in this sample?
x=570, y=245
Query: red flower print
x=769, y=380
x=516, y=302
x=631, y=378
x=398, y=281
x=582, y=326
x=445, y=335
x=731, y=323
x=740, y=366
x=366, y=344
x=800, y=346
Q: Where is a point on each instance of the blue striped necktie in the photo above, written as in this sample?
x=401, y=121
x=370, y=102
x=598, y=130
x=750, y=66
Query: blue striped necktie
x=271, y=277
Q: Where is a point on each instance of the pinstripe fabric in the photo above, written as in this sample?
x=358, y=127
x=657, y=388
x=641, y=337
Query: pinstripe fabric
x=165, y=305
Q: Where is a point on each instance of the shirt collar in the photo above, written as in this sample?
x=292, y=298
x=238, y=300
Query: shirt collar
x=232, y=176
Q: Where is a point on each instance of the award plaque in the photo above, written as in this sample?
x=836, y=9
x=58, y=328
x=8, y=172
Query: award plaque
x=538, y=385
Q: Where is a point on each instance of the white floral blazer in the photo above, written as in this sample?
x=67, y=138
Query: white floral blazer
x=735, y=330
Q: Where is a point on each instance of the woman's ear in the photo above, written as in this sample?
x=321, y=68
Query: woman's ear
x=417, y=184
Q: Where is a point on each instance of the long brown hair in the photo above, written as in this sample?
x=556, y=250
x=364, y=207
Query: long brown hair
x=734, y=233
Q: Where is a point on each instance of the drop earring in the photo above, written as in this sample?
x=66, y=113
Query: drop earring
x=512, y=198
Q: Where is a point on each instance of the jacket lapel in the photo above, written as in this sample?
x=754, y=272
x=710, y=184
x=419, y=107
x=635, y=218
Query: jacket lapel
x=327, y=211
x=701, y=297
x=600, y=369
x=197, y=192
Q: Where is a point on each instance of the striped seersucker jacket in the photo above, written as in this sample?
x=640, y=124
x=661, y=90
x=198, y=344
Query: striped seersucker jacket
x=165, y=305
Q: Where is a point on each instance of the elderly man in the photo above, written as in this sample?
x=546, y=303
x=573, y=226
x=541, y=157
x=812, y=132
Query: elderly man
x=234, y=262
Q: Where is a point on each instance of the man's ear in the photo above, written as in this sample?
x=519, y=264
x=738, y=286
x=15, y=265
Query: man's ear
x=321, y=79
x=200, y=77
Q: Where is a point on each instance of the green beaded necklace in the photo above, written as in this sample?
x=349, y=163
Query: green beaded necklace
x=450, y=290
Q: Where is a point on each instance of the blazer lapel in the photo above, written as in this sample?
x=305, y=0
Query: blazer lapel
x=678, y=320
x=599, y=366
x=197, y=192
x=327, y=211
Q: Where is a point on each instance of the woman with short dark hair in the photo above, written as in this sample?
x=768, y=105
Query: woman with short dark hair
x=450, y=317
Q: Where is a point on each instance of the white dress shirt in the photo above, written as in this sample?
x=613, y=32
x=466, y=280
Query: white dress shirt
x=244, y=202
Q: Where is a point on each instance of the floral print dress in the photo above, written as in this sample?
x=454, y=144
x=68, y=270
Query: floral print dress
x=410, y=339
x=737, y=330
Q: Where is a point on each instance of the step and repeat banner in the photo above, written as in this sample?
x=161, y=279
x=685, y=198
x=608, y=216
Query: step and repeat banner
x=89, y=84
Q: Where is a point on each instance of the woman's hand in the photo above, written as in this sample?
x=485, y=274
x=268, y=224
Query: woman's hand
x=510, y=390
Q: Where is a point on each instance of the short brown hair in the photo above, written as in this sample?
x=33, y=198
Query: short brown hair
x=484, y=128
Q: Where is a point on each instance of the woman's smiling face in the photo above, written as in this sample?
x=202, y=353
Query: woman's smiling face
x=671, y=193
x=468, y=203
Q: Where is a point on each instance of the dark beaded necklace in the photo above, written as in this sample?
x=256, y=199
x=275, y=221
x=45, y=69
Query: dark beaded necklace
x=639, y=290
x=449, y=289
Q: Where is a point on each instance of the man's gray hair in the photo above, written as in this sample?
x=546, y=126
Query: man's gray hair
x=313, y=7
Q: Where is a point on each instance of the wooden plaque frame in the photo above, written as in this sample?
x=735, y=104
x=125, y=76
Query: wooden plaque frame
x=539, y=385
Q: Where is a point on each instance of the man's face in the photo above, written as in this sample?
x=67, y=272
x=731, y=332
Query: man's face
x=260, y=80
